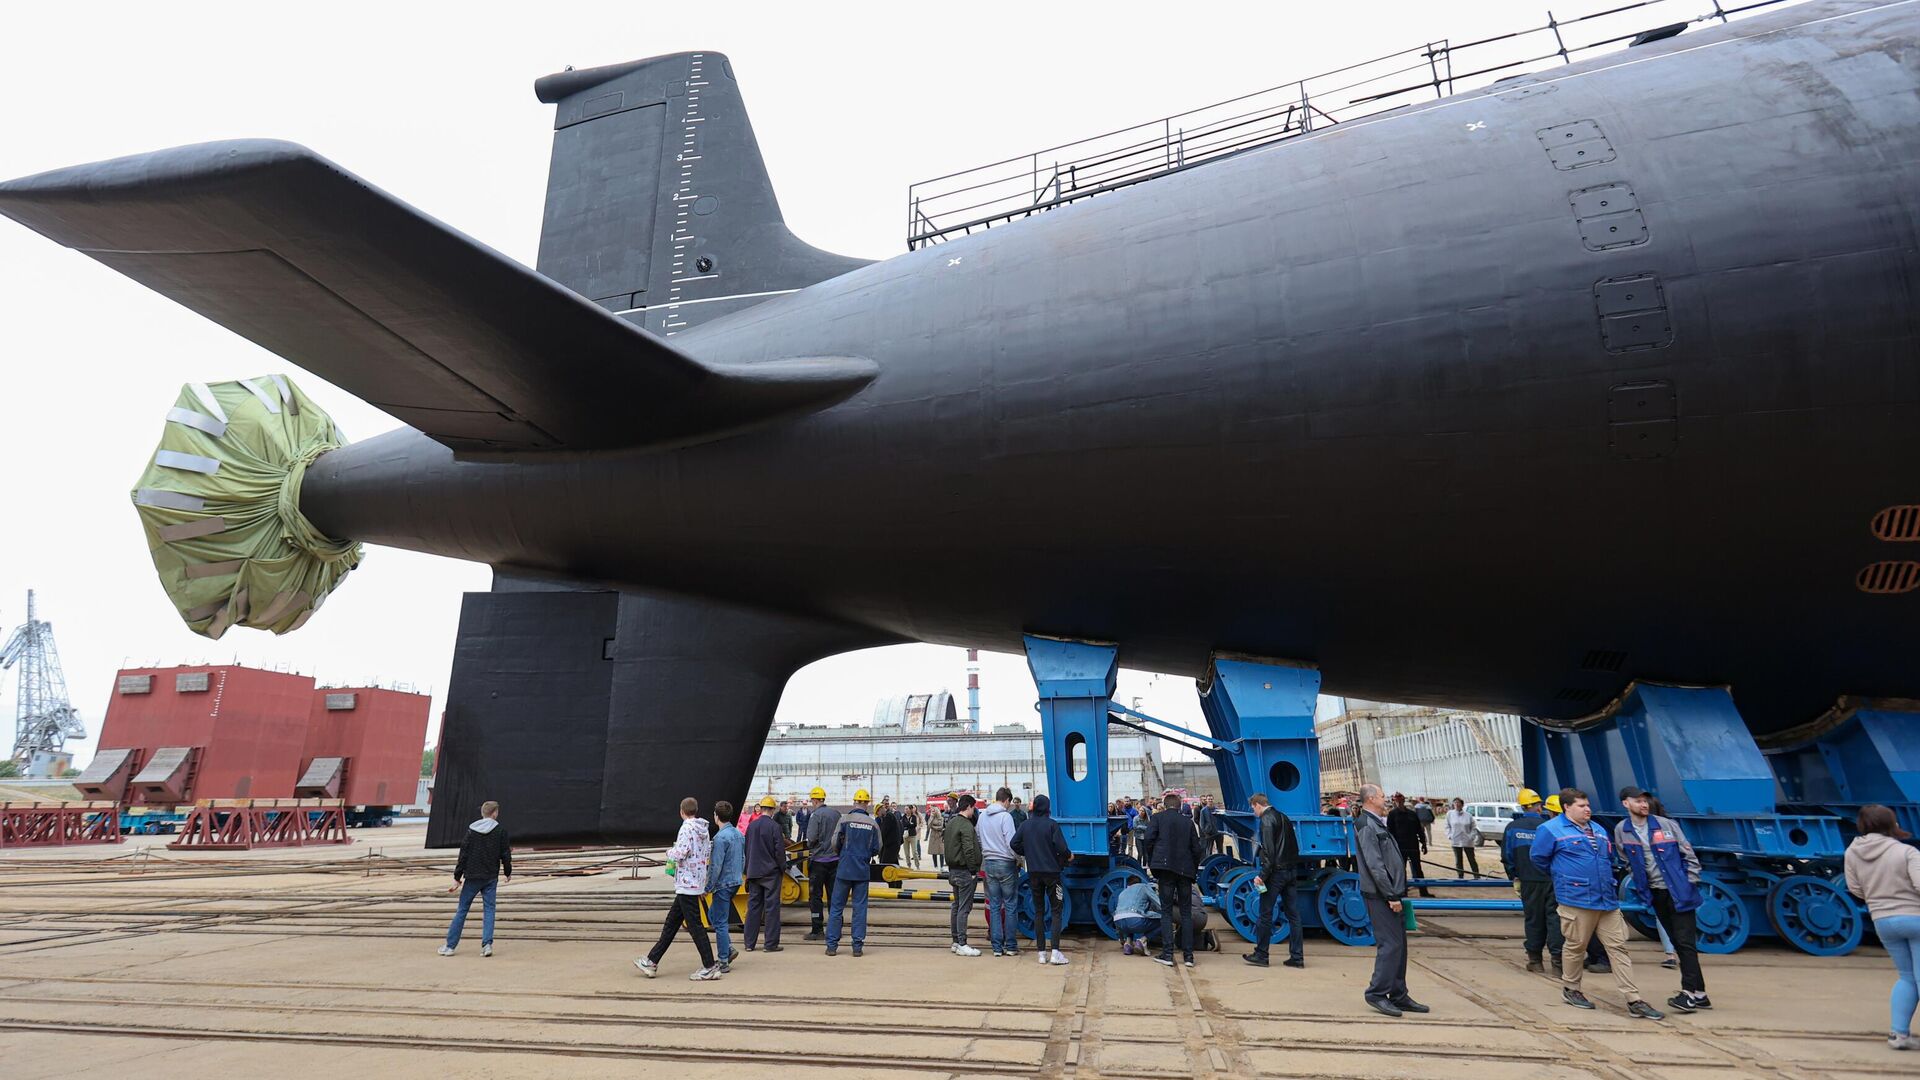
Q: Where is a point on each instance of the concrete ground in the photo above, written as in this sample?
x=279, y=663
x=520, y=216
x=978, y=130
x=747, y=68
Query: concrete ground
x=135, y=960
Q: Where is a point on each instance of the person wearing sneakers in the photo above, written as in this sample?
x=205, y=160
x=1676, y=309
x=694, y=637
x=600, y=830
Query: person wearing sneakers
x=1002, y=868
x=1277, y=859
x=1136, y=916
x=687, y=862
x=1040, y=841
x=1171, y=848
x=1885, y=873
x=856, y=840
x=485, y=858
x=1666, y=877
x=1577, y=854
x=822, y=822
x=725, y=875
x=963, y=870
x=766, y=847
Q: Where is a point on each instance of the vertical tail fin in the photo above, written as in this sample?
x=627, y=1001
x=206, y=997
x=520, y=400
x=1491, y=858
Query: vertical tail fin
x=658, y=203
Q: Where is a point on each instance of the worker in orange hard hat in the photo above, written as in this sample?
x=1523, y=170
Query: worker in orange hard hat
x=1542, y=913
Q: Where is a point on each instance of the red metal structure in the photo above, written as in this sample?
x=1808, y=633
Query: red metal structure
x=378, y=735
x=189, y=734
x=241, y=824
x=209, y=732
x=57, y=824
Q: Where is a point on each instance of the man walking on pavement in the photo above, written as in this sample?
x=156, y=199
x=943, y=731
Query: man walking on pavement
x=1382, y=869
x=1666, y=878
x=1410, y=836
x=1171, y=849
x=1003, y=872
x=1541, y=914
x=855, y=842
x=1277, y=858
x=822, y=822
x=1578, y=856
x=766, y=866
x=485, y=858
x=963, y=871
x=687, y=864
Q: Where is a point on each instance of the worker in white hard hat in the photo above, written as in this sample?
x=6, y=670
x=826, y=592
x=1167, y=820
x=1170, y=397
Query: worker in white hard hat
x=856, y=840
x=822, y=822
x=1542, y=914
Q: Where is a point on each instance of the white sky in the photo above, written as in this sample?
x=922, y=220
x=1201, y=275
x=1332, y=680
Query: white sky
x=434, y=102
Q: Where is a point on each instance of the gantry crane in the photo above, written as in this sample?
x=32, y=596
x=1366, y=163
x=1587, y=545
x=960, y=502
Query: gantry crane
x=44, y=718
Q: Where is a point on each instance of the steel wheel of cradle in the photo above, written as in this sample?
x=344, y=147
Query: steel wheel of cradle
x=1028, y=923
x=1343, y=911
x=1212, y=868
x=1243, y=911
x=1721, y=917
x=1107, y=893
x=1816, y=915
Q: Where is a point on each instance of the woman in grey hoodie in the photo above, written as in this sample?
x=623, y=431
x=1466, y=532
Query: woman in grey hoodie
x=1885, y=872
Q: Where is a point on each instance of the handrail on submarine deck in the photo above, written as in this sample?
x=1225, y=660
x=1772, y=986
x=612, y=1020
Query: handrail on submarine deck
x=1017, y=187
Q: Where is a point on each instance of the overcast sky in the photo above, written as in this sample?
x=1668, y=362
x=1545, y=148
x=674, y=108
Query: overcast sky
x=433, y=102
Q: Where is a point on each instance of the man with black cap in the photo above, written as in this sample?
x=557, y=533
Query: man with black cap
x=1666, y=877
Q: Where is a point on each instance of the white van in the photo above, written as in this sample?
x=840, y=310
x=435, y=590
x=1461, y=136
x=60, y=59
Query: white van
x=1491, y=818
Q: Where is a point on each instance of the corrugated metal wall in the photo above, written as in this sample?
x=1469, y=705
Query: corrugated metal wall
x=1447, y=762
x=910, y=767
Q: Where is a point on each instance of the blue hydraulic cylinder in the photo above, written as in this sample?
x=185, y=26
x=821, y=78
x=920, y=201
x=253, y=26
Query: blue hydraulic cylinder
x=1075, y=680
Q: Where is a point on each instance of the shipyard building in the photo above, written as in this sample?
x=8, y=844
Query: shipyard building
x=917, y=746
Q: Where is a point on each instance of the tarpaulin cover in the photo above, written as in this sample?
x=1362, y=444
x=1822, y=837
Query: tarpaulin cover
x=220, y=503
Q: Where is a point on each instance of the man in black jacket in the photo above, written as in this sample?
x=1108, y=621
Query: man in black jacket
x=1277, y=854
x=485, y=857
x=1382, y=869
x=1170, y=847
x=766, y=865
x=1404, y=825
x=1040, y=841
x=888, y=819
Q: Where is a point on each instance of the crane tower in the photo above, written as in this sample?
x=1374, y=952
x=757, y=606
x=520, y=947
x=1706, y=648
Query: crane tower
x=43, y=717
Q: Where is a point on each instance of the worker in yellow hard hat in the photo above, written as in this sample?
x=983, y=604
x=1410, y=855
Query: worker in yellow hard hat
x=822, y=822
x=766, y=859
x=1537, y=902
x=855, y=842
x=1552, y=805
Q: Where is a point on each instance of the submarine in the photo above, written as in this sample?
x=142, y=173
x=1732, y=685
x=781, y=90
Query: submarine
x=1500, y=399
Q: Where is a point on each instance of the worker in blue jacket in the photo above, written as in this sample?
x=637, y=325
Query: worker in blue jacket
x=1542, y=915
x=1576, y=853
x=1666, y=875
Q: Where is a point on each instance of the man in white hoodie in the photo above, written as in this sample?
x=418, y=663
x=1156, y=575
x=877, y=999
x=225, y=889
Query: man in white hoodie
x=485, y=858
x=1003, y=873
x=687, y=863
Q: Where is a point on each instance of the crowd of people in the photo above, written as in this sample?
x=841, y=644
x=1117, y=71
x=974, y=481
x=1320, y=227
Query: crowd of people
x=1560, y=861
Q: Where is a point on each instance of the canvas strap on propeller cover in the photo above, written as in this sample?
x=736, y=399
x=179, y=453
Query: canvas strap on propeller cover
x=220, y=503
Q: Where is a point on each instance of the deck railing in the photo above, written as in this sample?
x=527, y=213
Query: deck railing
x=1016, y=187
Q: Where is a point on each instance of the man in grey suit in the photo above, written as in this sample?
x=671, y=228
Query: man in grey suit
x=1383, y=884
